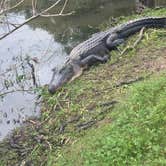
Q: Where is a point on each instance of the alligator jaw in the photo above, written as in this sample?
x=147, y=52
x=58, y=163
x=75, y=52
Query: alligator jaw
x=67, y=74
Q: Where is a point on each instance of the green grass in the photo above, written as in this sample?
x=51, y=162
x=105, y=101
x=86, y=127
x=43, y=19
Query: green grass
x=136, y=135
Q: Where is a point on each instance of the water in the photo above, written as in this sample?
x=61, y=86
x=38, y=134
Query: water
x=46, y=42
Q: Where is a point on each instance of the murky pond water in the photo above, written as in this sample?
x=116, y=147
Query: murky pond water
x=45, y=43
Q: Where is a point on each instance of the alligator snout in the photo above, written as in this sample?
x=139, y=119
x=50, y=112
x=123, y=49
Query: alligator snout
x=52, y=89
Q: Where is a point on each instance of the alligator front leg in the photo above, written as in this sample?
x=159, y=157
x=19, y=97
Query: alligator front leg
x=92, y=59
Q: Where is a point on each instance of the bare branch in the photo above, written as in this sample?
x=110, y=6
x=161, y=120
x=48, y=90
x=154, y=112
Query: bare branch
x=64, y=6
x=38, y=15
x=34, y=7
x=13, y=30
x=56, y=15
x=52, y=6
x=59, y=14
x=16, y=5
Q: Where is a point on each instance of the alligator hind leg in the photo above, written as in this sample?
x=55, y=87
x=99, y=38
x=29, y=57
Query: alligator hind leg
x=92, y=59
x=112, y=44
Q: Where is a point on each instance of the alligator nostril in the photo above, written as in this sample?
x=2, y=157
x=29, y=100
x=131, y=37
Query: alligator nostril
x=52, y=89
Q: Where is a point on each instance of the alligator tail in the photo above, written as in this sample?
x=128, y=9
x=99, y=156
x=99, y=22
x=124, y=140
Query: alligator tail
x=132, y=27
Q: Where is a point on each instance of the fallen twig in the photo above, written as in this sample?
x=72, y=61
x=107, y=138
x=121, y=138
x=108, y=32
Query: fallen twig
x=108, y=103
x=129, y=82
x=32, y=72
x=135, y=43
x=31, y=121
x=62, y=127
x=74, y=119
x=85, y=125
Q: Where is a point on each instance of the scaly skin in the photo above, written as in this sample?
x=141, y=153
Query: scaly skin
x=96, y=49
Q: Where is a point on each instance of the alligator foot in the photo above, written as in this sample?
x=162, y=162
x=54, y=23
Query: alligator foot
x=113, y=44
x=92, y=59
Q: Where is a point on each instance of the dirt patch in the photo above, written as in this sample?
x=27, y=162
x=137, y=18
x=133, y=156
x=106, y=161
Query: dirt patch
x=151, y=60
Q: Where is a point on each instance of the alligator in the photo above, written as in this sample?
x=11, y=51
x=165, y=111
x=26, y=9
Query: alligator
x=97, y=48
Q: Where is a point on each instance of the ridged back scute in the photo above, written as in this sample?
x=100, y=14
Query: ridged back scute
x=87, y=45
x=123, y=30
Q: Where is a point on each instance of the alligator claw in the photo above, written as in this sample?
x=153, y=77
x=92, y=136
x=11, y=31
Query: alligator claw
x=105, y=58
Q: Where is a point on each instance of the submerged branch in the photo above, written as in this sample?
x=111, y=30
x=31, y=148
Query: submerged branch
x=13, y=91
x=32, y=72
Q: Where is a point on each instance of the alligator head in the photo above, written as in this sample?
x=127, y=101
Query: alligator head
x=66, y=74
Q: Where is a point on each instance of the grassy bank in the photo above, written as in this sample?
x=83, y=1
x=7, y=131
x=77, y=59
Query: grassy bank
x=134, y=136
x=99, y=118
